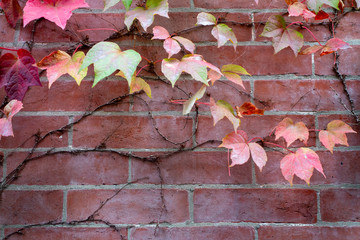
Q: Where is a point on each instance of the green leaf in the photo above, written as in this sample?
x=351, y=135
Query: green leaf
x=232, y=71
x=282, y=36
x=315, y=5
x=190, y=103
x=146, y=15
x=127, y=4
x=109, y=3
x=223, y=34
x=107, y=57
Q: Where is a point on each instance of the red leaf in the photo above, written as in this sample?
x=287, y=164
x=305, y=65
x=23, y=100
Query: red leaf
x=301, y=164
x=248, y=109
x=57, y=11
x=13, y=107
x=321, y=15
x=18, y=73
x=12, y=11
x=241, y=149
x=333, y=45
x=290, y=131
x=335, y=134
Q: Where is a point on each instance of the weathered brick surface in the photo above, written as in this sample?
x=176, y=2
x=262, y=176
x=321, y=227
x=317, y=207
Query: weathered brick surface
x=188, y=233
x=239, y=205
x=132, y=206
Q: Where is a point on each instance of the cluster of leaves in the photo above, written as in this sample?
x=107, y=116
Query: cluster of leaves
x=19, y=72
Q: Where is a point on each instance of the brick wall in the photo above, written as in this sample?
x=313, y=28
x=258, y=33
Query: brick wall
x=188, y=195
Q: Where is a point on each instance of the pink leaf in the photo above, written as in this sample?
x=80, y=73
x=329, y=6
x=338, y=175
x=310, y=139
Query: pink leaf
x=300, y=9
x=301, y=164
x=188, y=45
x=57, y=11
x=223, y=34
x=205, y=19
x=335, y=134
x=171, y=46
x=160, y=33
x=333, y=45
x=222, y=109
x=258, y=155
x=290, y=131
x=13, y=107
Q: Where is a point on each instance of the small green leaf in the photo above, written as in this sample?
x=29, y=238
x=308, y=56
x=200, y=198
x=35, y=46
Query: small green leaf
x=315, y=5
x=190, y=103
x=127, y=4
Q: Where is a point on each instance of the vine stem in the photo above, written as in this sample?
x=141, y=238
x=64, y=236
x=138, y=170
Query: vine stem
x=277, y=145
x=97, y=29
x=228, y=159
x=9, y=49
x=141, y=69
x=306, y=29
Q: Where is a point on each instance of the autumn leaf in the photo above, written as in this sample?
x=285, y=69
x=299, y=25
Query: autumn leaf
x=223, y=33
x=160, y=33
x=110, y=3
x=300, y=9
x=301, y=164
x=188, y=45
x=191, y=101
x=59, y=63
x=291, y=132
x=17, y=74
x=213, y=76
x=146, y=15
x=12, y=11
x=13, y=107
x=206, y=19
x=241, y=149
x=315, y=5
x=232, y=71
x=222, y=109
x=138, y=84
x=331, y=46
x=335, y=134
x=281, y=35
x=107, y=57
x=248, y=109
x=56, y=11
x=192, y=64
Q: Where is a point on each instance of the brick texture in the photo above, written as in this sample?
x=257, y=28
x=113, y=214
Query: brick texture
x=139, y=165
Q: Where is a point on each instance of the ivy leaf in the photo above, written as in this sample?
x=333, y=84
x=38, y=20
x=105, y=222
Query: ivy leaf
x=146, y=15
x=110, y=3
x=232, y=71
x=171, y=46
x=206, y=19
x=333, y=45
x=282, y=36
x=13, y=107
x=18, y=73
x=241, y=149
x=192, y=64
x=335, y=134
x=12, y=11
x=248, y=109
x=213, y=76
x=290, y=131
x=138, y=84
x=315, y=5
x=127, y=4
x=160, y=33
x=191, y=101
x=301, y=164
x=57, y=11
x=188, y=45
x=59, y=63
x=311, y=50
x=300, y=9
x=107, y=57
x=223, y=34
x=222, y=109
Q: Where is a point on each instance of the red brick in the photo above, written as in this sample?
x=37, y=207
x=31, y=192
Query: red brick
x=304, y=95
x=349, y=62
x=321, y=32
x=347, y=29
x=47, y=31
x=255, y=205
x=340, y=205
x=132, y=206
x=189, y=233
x=240, y=4
x=339, y=168
x=30, y=207
x=66, y=95
x=306, y=233
x=131, y=131
x=258, y=60
x=62, y=233
x=254, y=126
x=353, y=138
x=7, y=33
x=192, y=168
x=26, y=127
x=66, y=169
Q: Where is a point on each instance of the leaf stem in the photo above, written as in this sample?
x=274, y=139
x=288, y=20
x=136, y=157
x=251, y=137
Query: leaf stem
x=302, y=25
x=141, y=70
x=228, y=159
x=9, y=49
x=97, y=29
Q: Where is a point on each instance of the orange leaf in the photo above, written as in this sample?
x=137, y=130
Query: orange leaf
x=248, y=109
